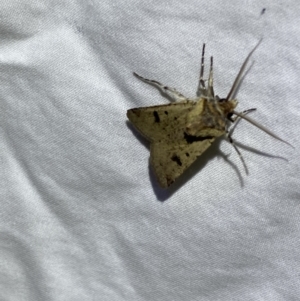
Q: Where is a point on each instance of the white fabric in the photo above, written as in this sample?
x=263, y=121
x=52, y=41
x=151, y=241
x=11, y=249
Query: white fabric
x=82, y=218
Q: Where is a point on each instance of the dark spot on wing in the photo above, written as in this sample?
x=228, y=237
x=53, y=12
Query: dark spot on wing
x=175, y=118
x=169, y=181
x=176, y=159
x=190, y=138
x=187, y=154
x=166, y=112
x=156, y=117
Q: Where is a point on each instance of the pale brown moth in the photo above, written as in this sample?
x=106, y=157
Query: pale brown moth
x=181, y=131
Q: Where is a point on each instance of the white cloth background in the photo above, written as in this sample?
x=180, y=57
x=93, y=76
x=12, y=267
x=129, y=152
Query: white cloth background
x=82, y=218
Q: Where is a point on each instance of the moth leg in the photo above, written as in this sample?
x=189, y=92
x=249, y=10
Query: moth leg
x=210, y=87
x=236, y=120
x=201, y=85
x=170, y=92
x=260, y=127
x=238, y=152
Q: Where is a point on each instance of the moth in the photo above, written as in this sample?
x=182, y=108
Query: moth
x=182, y=130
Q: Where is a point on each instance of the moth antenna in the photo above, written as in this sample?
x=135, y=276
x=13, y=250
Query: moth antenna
x=240, y=74
x=241, y=115
x=211, y=79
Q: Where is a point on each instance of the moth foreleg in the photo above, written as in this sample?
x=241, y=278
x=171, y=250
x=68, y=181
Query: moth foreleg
x=201, y=85
x=210, y=88
x=236, y=119
x=245, y=112
x=170, y=92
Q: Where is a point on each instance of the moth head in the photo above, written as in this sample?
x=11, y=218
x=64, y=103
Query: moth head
x=227, y=106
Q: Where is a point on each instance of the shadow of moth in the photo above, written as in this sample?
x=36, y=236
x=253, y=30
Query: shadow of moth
x=181, y=131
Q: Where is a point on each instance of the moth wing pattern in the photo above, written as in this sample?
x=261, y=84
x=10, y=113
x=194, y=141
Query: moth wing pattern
x=169, y=161
x=163, y=122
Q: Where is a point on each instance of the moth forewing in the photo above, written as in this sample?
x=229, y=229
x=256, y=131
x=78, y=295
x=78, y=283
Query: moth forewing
x=169, y=161
x=162, y=123
x=180, y=132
